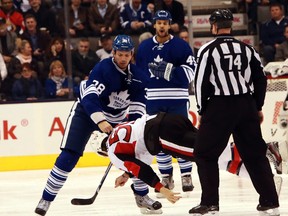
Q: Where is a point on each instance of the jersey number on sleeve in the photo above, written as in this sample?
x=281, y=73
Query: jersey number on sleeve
x=191, y=60
x=99, y=87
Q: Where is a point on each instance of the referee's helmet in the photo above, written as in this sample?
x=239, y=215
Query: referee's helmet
x=224, y=17
x=162, y=15
x=123, y=43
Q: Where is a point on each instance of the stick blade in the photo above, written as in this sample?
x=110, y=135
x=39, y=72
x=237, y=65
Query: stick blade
x=78, y=201
x=89, y=201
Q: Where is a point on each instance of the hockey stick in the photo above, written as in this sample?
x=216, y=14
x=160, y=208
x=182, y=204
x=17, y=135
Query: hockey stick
x=89, y=201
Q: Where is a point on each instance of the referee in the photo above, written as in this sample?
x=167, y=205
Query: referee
x=230, y=89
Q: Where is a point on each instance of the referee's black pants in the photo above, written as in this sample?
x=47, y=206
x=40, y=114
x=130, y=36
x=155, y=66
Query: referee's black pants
x=236, y=115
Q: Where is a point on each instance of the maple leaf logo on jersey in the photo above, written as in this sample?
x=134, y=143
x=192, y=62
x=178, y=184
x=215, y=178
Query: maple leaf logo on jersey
x=158, y=59
x=119, y=100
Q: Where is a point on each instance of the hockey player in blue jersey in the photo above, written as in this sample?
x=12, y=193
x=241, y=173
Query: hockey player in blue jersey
x=114, y=89
x=170, y=93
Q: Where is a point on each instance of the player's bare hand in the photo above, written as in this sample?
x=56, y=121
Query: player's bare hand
x=170, y=195
x=134, y=25
x=121, y=180
x=105, y=127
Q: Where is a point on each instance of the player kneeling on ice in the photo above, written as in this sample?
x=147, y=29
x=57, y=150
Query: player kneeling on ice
x=131, y=146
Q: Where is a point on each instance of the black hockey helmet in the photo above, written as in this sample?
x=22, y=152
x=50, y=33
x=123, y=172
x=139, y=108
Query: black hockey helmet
x=221, y=15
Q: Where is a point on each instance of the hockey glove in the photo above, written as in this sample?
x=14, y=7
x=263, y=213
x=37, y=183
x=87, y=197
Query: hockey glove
x=162, y=69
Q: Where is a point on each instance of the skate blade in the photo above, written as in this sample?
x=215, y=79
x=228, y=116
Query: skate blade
x=148, y=211
x=216, y=213
x=270, y=212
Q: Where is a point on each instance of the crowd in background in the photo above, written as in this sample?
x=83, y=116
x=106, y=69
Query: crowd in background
x=33, y=57
x=33, y=61
x=268, y=24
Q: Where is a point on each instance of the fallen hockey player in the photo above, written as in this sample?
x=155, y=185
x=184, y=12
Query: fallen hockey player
x=131, y=147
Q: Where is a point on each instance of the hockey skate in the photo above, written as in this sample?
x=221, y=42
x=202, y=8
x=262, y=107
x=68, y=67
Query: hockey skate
x=167, y=182
x=274, y=156
x=205, y=210
x=42, y=207
x=268, y=211
x=148, y=205
x=187, y=184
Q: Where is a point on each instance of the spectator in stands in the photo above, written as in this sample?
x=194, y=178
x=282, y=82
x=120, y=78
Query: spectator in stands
x=284, y=4
x=24, y=56
x=83, y=61
x=145, y=36
x=56, y=51
x=8, y=40
x=45, y=17
x=142, y=37
x=184, y=34
x=150, y=5
x=252, y=12
x=56, y=86
x=271, y=32
x=103, y=18
x=14, y=19
x=176, y=10
x=7, y=50
x=38, y=39
x=15, y=66
x=78, y=20
x=135, y=18
x=27, y=87
x=22, y=5
x=282, y=49
x=106, y=44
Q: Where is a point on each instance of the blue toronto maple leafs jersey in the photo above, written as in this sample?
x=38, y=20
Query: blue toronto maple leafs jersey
x=160, y=92
x=113, y=92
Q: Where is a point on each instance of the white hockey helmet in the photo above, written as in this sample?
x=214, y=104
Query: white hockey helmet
x=98, y=143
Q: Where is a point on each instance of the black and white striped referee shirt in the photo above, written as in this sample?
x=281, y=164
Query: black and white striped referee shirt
x=228, y=67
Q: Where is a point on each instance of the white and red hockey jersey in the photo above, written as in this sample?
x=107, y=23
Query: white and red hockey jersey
x=170, y=133
x=127, y=151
